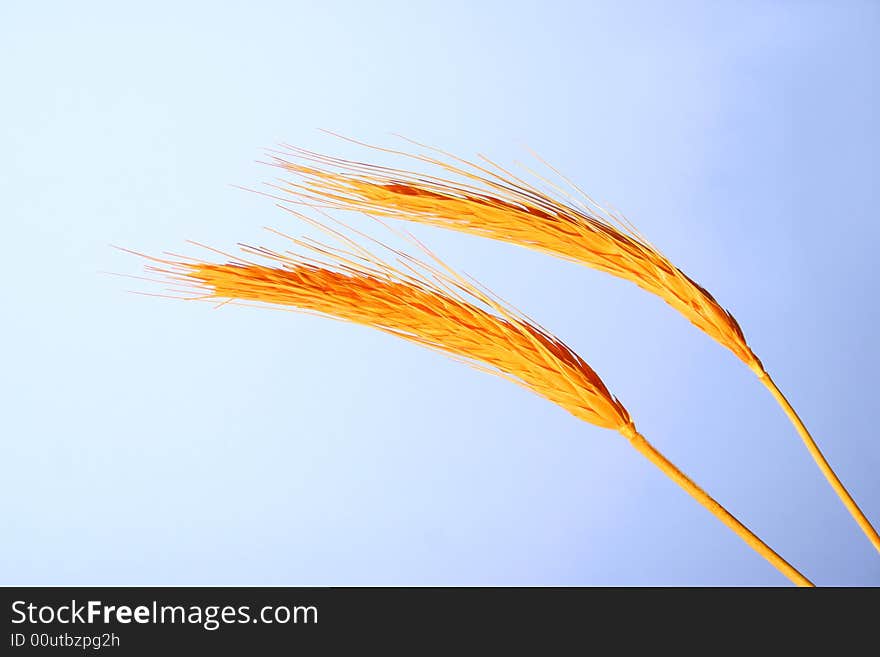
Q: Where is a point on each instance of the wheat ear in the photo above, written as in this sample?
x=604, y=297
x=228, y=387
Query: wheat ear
x=433, y=306
x=490, y=201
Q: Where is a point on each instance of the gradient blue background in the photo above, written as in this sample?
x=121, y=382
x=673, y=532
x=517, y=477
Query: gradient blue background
x=151, y=442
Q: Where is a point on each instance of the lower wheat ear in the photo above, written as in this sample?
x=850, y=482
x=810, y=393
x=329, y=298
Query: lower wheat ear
x=431, y=305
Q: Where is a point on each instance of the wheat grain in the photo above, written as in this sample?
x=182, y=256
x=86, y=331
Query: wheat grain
x=417, y=302
x=502, y=207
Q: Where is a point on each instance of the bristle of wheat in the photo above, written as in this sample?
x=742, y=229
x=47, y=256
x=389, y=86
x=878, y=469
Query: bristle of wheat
x=444, y=312
x=496, y=204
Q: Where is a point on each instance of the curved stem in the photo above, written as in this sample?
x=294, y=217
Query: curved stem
x=819, y=458
x=670, y=470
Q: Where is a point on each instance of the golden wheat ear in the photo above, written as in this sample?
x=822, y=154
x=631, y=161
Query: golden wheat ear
x=433, y=306
x=489, y=201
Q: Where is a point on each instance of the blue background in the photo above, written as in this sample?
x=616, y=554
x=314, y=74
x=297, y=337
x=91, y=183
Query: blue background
x=146, y=441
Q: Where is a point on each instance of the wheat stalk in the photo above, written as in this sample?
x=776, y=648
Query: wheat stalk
x=490, y=201
x=433, y=306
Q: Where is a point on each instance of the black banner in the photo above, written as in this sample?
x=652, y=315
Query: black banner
x=135, y=620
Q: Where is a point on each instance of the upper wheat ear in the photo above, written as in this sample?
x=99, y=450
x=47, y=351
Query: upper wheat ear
x=432, y=305
x=490, y=201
